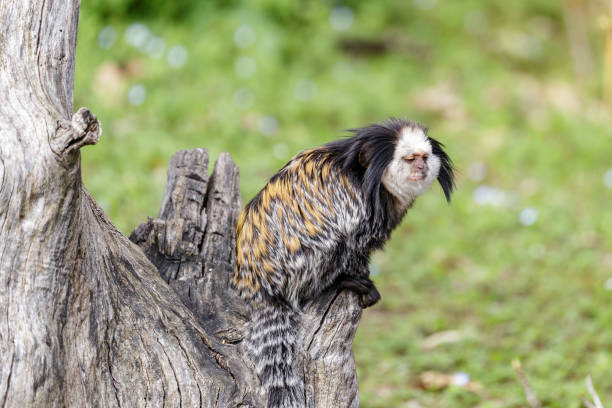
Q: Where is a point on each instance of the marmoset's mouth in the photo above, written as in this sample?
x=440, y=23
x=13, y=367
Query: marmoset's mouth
x=417, y=176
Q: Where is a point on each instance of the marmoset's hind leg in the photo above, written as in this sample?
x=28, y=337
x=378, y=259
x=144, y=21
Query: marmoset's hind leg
x=362, y=285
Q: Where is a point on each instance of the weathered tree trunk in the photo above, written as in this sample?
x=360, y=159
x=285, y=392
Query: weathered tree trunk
x=88, y=318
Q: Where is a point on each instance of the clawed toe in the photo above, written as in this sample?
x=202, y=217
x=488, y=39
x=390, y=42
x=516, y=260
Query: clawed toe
x=364, y=287
x=370, y=298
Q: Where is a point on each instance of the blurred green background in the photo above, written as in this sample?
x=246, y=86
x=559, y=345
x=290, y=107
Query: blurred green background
x=518, y=266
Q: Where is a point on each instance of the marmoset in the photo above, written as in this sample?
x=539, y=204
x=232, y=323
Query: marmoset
x=315, y=224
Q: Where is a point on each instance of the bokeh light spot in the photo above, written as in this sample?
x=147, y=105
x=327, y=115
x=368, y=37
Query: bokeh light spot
x=136, y=94
x=341, y=18
x=155, y=47
x=107, y=37
x=460, y=379
x=245, y=67
x=177, y=56
x=268, y=125
x=487, y=195
x=528, y=216
x=608, y=179
x=137, y=35
x=244, y=36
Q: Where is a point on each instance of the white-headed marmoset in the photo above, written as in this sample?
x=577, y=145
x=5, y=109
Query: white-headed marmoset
x=315, y=224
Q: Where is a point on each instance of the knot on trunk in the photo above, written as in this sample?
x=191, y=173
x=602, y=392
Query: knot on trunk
x=84, y=129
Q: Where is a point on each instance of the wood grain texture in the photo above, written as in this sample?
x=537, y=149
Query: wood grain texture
x=89, y=318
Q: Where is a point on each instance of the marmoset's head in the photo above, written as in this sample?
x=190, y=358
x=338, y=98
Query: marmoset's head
x=397, y=155
x=417, y=162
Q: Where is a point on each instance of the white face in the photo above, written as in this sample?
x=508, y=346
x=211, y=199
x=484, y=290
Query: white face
x=413, y=168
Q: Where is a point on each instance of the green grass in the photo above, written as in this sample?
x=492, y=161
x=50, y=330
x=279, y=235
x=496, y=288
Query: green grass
x=500, y=94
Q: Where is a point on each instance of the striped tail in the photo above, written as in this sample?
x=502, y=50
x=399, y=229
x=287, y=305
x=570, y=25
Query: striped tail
x=272, y=345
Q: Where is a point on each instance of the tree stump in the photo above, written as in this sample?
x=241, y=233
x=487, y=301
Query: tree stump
x=89, y=318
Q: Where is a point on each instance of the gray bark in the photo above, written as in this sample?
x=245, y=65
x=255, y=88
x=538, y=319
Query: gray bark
x=90, y=318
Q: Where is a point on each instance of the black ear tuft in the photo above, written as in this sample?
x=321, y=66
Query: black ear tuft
x=446, y=177
x=365, y=156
